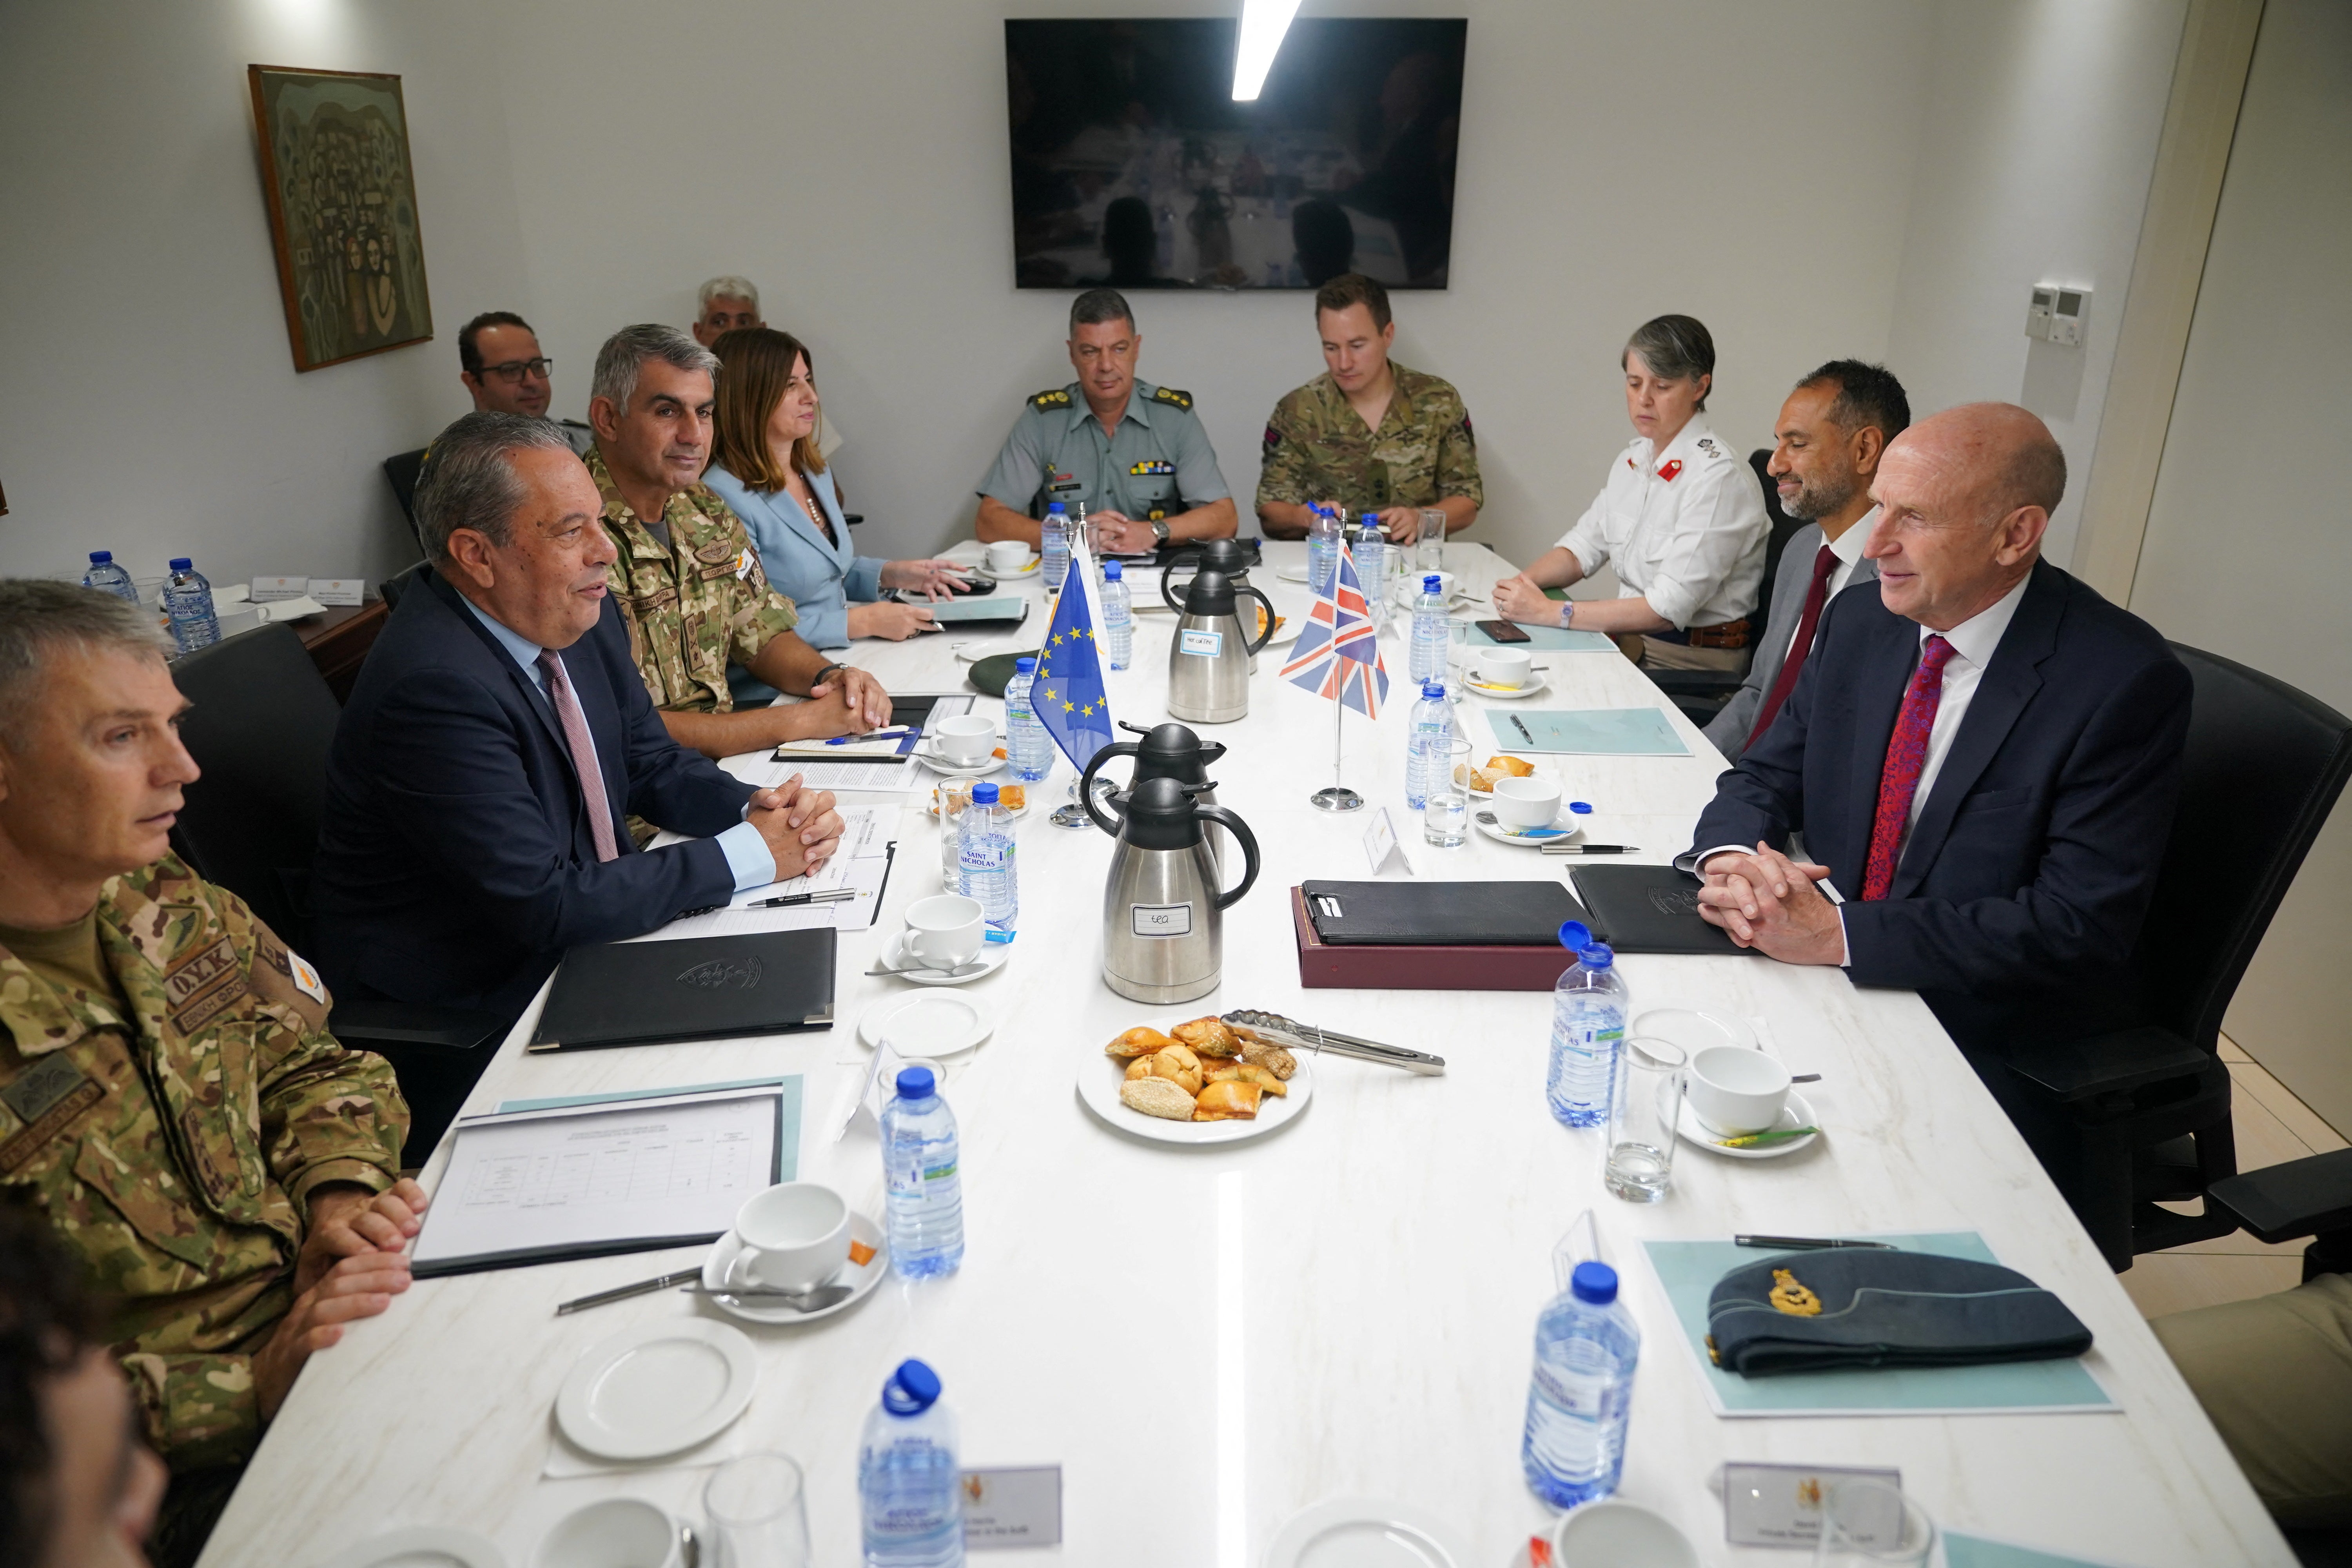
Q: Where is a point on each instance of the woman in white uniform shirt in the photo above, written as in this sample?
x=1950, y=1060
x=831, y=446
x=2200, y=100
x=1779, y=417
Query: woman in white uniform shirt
x=1682, y=518
x=765, y=466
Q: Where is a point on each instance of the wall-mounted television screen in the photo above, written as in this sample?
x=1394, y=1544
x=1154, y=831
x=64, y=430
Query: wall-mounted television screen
x=1133, y=166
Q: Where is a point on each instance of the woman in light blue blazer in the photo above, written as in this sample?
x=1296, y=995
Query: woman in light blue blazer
x=765, y=465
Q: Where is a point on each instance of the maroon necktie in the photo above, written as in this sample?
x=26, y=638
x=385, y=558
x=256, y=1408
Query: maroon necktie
x=1906, y=753
x=1826, y=565
x=584, y=755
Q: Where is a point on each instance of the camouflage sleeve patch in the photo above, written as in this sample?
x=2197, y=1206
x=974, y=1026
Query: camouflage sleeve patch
x=1287, y=465
x=1457, y=462
x=1167, y=394
x=1057, y=397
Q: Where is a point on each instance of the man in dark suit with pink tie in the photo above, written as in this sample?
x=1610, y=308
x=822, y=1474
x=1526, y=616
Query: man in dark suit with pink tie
x=1983, y=756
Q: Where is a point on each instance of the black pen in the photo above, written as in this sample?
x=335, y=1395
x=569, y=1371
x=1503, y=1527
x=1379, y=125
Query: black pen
x=1808, y=1243
x=835, y=896
x=1525, y=738
x=1592, y=850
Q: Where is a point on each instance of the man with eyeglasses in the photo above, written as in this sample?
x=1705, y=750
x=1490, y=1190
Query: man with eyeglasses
x=504, y=370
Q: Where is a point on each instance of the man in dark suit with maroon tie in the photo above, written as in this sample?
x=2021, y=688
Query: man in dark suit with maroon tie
x=1982, y=754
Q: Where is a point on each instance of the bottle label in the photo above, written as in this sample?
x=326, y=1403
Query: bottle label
x=906, y=1173
x=1204, y=645
x=1160, y=920
x=939, y=1172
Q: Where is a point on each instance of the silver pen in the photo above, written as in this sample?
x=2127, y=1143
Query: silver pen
x=623, y=1292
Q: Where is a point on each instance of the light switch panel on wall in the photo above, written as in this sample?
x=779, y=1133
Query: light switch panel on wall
x=2057, y=314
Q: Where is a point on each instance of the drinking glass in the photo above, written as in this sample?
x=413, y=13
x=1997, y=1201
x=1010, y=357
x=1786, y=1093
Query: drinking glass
x=1429, y=551
x=1445, y=819
x=1646, y=1101
x=1870, y=1524
x=759, y=1514
x=954, y=794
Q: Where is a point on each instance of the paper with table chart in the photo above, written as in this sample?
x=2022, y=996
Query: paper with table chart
x=862, y=865
x=593, y=1180
x=1587, y=731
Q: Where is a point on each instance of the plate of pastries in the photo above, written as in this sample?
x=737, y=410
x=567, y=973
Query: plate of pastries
x=1203, y=1081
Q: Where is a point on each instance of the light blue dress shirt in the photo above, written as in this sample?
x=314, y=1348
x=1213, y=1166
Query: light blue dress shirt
x=822, y=577
x=748, y=855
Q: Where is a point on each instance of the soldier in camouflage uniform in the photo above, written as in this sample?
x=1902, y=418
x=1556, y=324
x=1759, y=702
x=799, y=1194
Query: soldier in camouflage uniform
x=688, y=582
x=1319, y=450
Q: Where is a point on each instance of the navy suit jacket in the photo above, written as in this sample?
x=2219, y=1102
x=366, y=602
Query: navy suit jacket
x=2031, y=861
x=456, y=862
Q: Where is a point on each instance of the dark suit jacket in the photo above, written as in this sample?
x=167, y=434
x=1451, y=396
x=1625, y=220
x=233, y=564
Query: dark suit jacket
x=2016, y=904
x=1791, y=584
x=456, y=862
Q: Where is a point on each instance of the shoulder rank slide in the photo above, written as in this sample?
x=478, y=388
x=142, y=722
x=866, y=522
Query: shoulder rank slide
x=1173, y=398
x=1046, y=401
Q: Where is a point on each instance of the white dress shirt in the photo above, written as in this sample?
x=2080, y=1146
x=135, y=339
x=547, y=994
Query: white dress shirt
x=1847, y=548
x=1686, y=528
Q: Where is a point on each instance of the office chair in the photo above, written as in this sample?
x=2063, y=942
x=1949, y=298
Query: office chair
x=2147, y=1109
x=260, y=729
x=403, y=469
x=1702, y=693
x=399, y=582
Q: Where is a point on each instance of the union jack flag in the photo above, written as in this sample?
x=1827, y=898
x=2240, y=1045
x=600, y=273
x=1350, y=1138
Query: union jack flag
x=1338, y=654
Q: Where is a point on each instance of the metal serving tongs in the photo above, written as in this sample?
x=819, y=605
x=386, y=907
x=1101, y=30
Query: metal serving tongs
x=1290, y=1031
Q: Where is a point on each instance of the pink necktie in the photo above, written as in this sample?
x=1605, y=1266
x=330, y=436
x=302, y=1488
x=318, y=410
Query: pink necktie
x=1825, y=565
x=584, y=755
x=1906, y=753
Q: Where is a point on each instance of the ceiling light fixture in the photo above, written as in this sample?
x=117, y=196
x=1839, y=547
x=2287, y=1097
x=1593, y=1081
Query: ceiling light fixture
x=1264, y=22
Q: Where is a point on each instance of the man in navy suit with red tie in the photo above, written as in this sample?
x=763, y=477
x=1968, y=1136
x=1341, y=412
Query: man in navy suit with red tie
x=1982, y=754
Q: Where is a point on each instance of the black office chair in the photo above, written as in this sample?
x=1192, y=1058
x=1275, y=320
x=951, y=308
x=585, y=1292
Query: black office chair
x=402, y=471
x=1702, y=693
x=2147, y=1109
x=399, y=582
x=260, y=729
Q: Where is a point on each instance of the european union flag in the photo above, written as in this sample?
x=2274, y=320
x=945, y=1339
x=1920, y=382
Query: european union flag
x=1069, y=695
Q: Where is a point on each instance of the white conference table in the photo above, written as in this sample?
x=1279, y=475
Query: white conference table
x=1210, y=1341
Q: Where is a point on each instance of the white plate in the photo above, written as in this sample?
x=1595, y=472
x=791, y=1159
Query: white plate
x=989, y=573
x=1291, y=573
x=1099, y=1077
x=657, y=1389
x=933, y=808
x=926, y=1026
x=720, y=1270
x=1286, y=633
x=1476, y=794
x=947, y=769
x=1535, y=683
x=992, y=957
x=1572, y=823
x=1797, y=1112
x=1355, y=1533
x=422, y=1546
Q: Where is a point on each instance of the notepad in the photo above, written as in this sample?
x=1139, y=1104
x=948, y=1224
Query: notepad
x=1549, y=638
x=995, y=607
x=1587, y=731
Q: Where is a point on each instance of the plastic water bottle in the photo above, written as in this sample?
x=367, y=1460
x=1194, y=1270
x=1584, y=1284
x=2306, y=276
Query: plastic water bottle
x=1118, y=617
x=925, y=1190
x=985, y=867
x=188, y=601
x=107, y=578
x=1582, y=1391
x=1426, y=742
x=908, y=1485
x=1431, y=636
x=1372, y=567
x=1589, y=1007
x=1322, y=551
x=1054, y=545
x=1026, y=744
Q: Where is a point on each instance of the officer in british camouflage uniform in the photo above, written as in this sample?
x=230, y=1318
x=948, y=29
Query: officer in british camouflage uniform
x=170, y=1099
x=687, y=580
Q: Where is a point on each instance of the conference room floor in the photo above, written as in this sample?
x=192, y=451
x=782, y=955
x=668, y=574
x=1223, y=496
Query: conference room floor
x=1210, y=1341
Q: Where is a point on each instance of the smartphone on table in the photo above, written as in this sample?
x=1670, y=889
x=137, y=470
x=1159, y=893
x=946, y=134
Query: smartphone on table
x=1502, y=631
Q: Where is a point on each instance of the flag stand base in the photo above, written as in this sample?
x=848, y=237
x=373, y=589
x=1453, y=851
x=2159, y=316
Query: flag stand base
x=1071, y=815
x=1337, y=797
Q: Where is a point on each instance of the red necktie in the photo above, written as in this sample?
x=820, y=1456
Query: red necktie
x=1826, y=565
x=584, y=755
x=1906, y=753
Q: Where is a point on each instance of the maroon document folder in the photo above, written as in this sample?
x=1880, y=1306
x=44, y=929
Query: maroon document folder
x=1366, y=967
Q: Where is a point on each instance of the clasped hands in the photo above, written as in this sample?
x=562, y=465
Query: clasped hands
x=864, y=701
x=1519, y=597
x=1115, y=534
x=1769, y=902
x=799, y=825
x=1400, y=523
x=352, y=1262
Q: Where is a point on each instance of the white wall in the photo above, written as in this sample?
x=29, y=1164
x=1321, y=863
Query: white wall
x=2041, y=122
x=148, y=398
x=2248, y=546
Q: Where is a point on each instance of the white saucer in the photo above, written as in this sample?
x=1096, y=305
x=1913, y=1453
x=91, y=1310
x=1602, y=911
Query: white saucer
x=991, y=958
x=926, y=1026
x=1356, y=1532
x=725, y=1257
x=422, y=1546
x=1099, y=1077
x=947, y=769
x=657, y=1389
x=1290, y=574
x=1535, y=684
x=1570, y=824
x=1797, y=1112
x=991, y=575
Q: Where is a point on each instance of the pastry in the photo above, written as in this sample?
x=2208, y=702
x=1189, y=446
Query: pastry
x=1211, y=1037
x=1140, y=1067
x=1243, y=1072
x=1013, y=798
x=1177, y=1065
x=1138, y=1042
x=1227, y=1103
x=1157, y=1097
x=1511, y=767
x=1272, y=1058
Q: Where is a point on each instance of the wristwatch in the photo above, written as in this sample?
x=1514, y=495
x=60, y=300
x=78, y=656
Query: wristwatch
x=818, y=678
x=1567, y=612
x=1159, y=530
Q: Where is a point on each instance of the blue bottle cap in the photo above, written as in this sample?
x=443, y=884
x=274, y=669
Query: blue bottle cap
x=100, y=557
x=1431, y=583
x=1581, y=808
x=914, y=1388
x=1434, y=688
x=1113, y=572
x=915, y=1083
x=182, y=563
x=984, y=795
x=1051, y=507
x=1575, y=935
x=1593, y=1283
x=1025, y=665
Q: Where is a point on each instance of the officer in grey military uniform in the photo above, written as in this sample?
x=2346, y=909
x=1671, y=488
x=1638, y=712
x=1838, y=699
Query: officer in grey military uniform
x=1133, y=454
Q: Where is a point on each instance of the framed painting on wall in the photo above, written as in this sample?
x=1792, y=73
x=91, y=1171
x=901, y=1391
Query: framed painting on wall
x=342, y=212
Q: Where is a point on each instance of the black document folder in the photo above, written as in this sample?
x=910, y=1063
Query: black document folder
x=1440, y=914
x=695, y=988
x=1648, y=909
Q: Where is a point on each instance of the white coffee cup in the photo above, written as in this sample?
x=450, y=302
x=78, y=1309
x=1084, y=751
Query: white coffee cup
x=794, y=1235
x=1736, y=1092
x=618, y=1532
x=1614, y=1533
x=966, y=740
x=1007, y=556
x=1505, y=667
x=1522, y=803
x=945, y=932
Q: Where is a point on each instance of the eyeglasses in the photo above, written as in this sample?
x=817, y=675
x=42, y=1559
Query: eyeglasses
x=516, y=369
